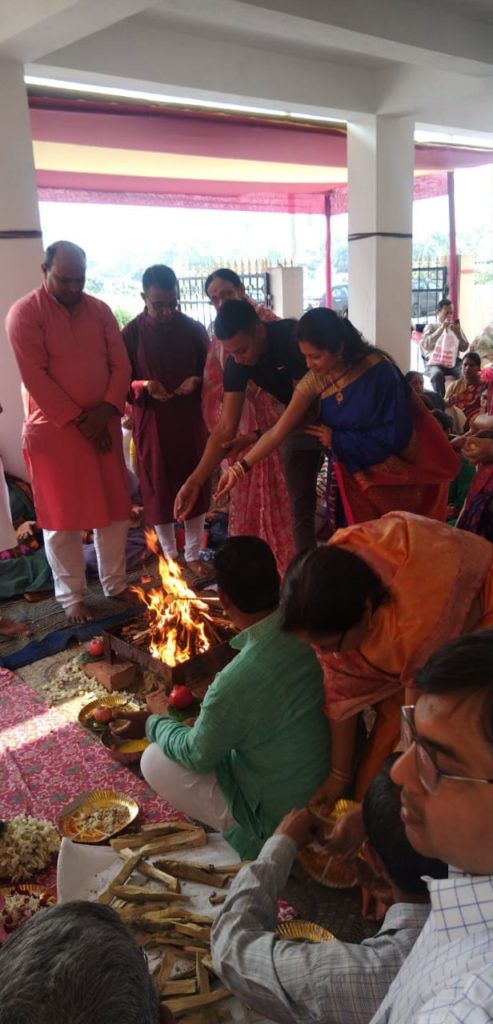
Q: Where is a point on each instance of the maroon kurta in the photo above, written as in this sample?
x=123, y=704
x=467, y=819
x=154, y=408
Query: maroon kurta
x=169, y=436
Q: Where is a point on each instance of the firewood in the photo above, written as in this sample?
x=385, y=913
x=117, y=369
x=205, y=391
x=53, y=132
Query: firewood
x=195, y=931
x=162, y=844
x=124, y=873
x=193, y=872
x=165, y=827
x=150, y=871
x=192, y=1002
x=168, y=961
x=134, y=894
x=216, y=898
x=231, y=869
x=178, y=988
x=203, y=982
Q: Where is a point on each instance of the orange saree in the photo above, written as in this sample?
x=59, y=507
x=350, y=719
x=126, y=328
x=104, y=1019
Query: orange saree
x=435, y=575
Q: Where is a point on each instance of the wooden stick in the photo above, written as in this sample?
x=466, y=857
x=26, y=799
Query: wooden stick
x=163, y=844
x=203, y=999
x=179, y=988
x=195, y=931
x=168, y=961
x=134, y=894
x=204, y=873
x=124, y=873
x=150, y=871
x=216, y=898
x=203, y=982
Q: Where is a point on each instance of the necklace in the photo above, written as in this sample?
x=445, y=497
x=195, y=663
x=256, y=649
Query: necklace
x=339, y=395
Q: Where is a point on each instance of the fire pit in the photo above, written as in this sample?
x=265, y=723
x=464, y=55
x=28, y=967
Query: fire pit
x=179, y=635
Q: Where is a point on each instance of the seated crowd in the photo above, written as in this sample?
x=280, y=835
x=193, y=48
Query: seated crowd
x=363, y=666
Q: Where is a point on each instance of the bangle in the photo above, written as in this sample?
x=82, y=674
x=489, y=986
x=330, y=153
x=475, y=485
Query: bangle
x=244, y=465
x=258, y=433
x=343, y=776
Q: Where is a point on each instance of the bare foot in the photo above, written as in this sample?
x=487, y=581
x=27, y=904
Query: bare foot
x=10, y=628
x=78, y=613
x=199, y=568
x=127, y=595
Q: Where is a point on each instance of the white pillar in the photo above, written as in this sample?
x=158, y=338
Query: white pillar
x=380, y=208
x=20, y=257
x=286, y=289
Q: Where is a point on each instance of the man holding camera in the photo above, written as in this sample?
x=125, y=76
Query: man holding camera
x=440, y=346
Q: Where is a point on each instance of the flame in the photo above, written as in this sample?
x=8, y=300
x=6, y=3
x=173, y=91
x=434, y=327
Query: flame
x=178, y=619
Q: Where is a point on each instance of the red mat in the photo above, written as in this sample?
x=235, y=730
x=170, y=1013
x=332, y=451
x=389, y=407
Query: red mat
x=46, y=761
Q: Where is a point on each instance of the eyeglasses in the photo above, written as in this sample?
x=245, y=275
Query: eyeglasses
x=429, y=775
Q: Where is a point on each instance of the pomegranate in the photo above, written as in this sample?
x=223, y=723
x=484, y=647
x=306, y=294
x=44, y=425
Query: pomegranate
x=181, y=697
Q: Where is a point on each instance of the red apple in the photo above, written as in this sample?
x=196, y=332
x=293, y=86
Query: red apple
x=181, y=697
x=96, y=647
x=102, y=715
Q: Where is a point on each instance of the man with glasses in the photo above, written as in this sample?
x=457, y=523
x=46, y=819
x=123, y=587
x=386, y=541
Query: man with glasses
x=167, y=352
x=446, y=775
x=330, y=981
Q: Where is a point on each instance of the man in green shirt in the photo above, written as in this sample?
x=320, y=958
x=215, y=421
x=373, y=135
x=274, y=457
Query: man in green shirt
x=260, y=744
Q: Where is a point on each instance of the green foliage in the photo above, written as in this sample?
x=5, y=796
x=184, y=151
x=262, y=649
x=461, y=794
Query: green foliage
x=122, y=316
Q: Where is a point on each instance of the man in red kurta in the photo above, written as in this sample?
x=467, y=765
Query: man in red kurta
x=76, y=374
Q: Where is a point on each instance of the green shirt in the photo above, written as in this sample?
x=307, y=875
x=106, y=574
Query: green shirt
x=261, y=728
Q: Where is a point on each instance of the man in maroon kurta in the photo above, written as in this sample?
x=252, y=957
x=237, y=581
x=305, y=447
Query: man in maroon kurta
x=167, y=352
x=75, y=372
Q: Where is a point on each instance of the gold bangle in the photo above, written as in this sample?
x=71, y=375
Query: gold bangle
x=343, y=776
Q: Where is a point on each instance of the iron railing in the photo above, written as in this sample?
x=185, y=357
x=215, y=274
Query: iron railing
x=429, y=285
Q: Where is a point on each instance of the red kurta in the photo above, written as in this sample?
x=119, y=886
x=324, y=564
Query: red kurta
x=70, y=361
x=169, y=436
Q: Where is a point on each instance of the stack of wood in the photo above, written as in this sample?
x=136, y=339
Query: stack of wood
x=161, y=921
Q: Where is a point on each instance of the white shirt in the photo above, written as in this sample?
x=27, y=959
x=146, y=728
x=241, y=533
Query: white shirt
x=448, y=976
x=327, y=983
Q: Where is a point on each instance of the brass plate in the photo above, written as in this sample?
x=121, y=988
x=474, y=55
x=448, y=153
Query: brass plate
x=73, y=816
x=123, y=750
x=326, y=869
x=303, y=931
x=23, y=889
x=113, y=700
x=339, y=809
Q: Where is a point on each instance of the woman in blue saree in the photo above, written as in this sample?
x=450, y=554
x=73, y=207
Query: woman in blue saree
x=386, y=450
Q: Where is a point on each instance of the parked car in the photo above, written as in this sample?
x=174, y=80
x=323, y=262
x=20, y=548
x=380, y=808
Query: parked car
x=339, y=299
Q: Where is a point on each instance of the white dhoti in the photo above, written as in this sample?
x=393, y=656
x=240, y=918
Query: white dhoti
x=196, y=795
x=8, y=537
x=64, y=553
x=194, y=529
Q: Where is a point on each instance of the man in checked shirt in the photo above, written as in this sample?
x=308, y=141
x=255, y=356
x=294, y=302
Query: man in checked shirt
x=446, y=775
x=332, y=981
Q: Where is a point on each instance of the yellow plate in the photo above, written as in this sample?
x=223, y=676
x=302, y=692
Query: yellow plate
x=303, y=931
x=74, y=822
x=339, y=809
x=326, y=870
x=113, y=700
x=317, y=862
x=125, y=751
x=22, y=889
